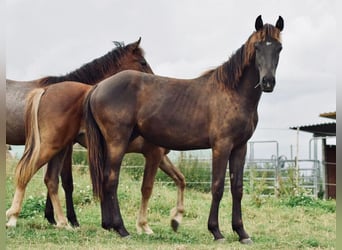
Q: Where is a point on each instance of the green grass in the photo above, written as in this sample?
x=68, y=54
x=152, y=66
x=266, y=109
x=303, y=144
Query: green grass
x=291, y=223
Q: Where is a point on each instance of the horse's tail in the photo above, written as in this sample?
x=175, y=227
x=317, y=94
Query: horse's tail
x=26, y=167
x=96, y=148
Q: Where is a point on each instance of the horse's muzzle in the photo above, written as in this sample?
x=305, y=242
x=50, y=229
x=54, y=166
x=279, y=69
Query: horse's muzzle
x=267, y=83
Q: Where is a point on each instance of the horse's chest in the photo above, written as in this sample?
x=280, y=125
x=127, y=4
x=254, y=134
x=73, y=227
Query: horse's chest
x=247, y=127
x=239, y=127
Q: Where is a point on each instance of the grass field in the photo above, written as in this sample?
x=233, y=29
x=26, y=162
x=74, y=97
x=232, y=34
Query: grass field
x=291, y=223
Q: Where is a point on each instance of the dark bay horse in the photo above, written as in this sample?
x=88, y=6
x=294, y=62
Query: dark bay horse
x=58, y=109
x=217, y=110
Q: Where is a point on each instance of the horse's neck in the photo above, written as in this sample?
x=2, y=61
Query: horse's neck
x=89, y=77
x=247, y=88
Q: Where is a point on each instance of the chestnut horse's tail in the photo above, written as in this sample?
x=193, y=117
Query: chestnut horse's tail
x=26, y=167
x=96, y=147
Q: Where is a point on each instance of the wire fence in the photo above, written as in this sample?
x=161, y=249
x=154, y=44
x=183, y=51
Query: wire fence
x=274, y=176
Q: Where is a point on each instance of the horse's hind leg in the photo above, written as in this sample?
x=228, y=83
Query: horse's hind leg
x=49, y=215
x=51, y=180
x=110, y=210
x=178, y=211
x=64, y=158
x=152, y=160
x=22, y=180
x=12, y=213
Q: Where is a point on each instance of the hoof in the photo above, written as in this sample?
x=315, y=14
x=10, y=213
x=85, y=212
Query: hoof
x=74, y=224
x=127, y=237
x=122, y=232
x=144, y=229
x=247, y=241
x=64, y=226
x=51, y=220
x=174, y=225
x=11, y=223
x=221, y=240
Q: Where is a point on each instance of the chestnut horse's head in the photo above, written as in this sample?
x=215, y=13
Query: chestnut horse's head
x=133, y=57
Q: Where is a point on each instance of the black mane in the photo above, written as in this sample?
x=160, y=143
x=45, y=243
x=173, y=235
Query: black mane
x=94, y=71
x=230, y=71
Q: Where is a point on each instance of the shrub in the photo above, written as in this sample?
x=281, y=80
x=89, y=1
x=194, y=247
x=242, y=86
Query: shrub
x=32, y=206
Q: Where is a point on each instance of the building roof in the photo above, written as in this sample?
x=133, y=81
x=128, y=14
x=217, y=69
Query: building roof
x=322, y=129
x=331, y=115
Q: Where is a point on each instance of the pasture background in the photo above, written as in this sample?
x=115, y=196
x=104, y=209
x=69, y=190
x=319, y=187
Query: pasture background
x=288, y=222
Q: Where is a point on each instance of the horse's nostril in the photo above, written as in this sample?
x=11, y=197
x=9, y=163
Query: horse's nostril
x=268, y=80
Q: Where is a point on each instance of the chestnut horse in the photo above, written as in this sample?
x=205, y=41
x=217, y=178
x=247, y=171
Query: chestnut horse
x=122, y=57
x=50, y=133
x=217, y=110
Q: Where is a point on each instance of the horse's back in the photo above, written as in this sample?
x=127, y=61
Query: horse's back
x=64, y=97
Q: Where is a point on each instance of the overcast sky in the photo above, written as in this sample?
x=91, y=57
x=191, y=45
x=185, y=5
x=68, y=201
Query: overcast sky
x=183, y=39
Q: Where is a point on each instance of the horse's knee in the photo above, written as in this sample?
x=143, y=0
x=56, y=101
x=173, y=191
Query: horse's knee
x=182, y=182
x=217, y=190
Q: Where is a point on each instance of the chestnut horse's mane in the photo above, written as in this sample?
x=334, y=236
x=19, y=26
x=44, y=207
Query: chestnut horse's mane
x=94, y=71
x=230, y=72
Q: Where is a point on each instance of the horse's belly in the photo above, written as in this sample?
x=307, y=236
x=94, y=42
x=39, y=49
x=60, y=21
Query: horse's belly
x=175, y=137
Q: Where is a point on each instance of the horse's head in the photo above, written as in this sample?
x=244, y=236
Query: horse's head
x=267, y=51
x=134, y=57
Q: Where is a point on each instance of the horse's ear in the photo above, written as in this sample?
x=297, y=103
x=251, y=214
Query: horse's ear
x=135, y=45
x=280, y=23
x=259, y=23
x=119, y=44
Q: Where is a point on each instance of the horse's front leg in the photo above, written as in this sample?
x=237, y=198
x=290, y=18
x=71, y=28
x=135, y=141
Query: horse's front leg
x=153, y=157
x=178, y=211
x=236, y=166
x=219, y=167
x=110, y=210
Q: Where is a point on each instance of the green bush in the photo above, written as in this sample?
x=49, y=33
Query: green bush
x=32, y=206
x=308, y=201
